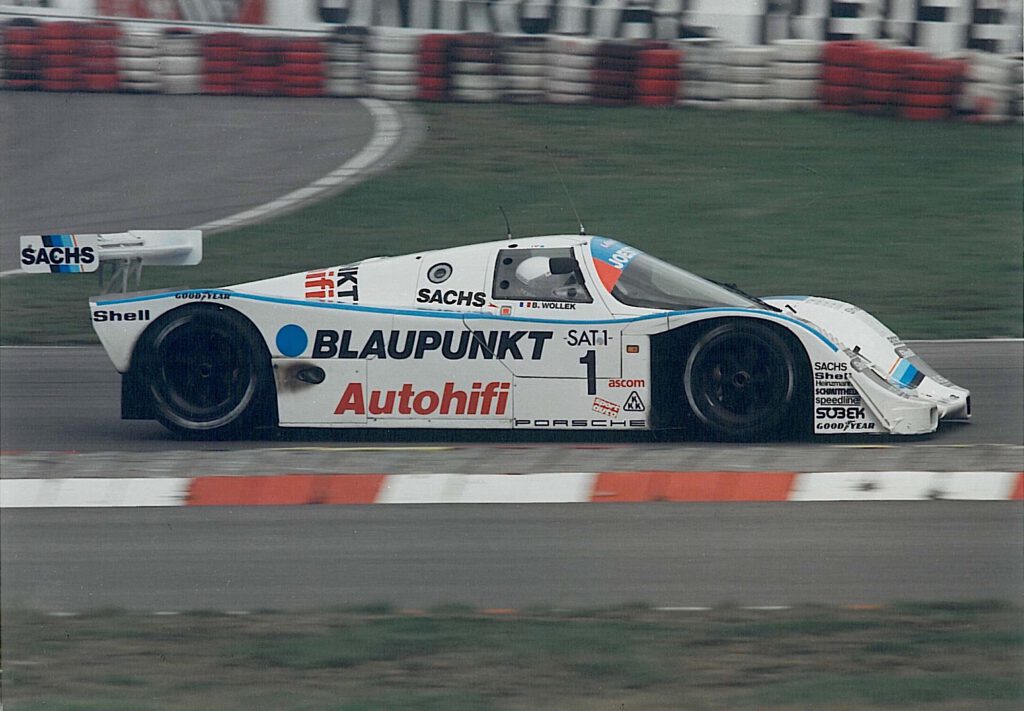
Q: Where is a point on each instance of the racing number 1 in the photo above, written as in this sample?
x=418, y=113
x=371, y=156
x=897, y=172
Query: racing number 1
x=590, y=360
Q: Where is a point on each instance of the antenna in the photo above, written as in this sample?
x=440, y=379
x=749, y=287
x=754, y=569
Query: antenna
x=583, y=230
x=508, y=227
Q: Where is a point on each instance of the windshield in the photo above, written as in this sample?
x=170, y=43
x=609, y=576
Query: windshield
x=638, y=279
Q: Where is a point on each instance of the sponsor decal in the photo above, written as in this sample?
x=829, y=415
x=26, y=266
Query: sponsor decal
x=610, y=258
x=605, y=407
x=627, y=383
x=341, y=284
x=105, y=315
x=480, y=400
x=505, y=311
x=581, y=423
x=904, y=374
x=588, y=337
x=292, y=340
x=451, y=297
x=634, y=403
x=547, y=305
x=202, y=296
x=450, y=345
x=57, y=254
x=838, y=405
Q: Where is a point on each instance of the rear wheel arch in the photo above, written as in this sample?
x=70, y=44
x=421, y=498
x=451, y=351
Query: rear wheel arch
x=204, y=371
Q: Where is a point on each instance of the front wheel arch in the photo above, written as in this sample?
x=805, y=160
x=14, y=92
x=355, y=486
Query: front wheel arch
x=205, y=372
x=672, y=406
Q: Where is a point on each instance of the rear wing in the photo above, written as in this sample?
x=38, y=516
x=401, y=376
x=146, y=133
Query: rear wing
x=117, y=257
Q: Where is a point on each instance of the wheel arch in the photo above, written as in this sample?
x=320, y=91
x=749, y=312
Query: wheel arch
x=137, y=401
x=669, y=352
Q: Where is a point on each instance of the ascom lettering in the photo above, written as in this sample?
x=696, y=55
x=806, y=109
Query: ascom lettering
x=58, y=255
x=450, y=345
x=481, y=399
x=451, y=297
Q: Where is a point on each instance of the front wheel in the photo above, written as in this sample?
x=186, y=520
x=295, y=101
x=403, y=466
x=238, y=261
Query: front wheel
x=741, y=380
x=206, y=371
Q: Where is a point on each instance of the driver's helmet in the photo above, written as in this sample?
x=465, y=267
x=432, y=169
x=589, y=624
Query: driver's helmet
x=535, y=274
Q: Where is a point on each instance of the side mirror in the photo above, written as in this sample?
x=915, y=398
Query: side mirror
x=562, y=265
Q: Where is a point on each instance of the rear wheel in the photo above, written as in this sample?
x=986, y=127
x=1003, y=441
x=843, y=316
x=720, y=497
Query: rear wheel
x=741, y=380
x=206, y=371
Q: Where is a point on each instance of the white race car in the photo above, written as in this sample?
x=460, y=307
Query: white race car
x=555, y=333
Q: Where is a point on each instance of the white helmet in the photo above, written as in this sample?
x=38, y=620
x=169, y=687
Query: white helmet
x=533, y=268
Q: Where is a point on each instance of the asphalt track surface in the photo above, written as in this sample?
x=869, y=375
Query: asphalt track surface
x=111, y=162
x=512, y=555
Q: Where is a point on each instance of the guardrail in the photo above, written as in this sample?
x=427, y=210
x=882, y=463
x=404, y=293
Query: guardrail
x=869, y=77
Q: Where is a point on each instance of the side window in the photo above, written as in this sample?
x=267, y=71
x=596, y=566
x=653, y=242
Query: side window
x=544, y=274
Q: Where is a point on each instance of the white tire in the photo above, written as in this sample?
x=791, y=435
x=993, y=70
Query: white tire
x=478, y=96
x=390, y=78
x=138, y=64
x=554, y=86
x=391, y=61
x=344, y=87
x=475, y=82
x=181, y=66
x=393, y=42
x=748, y=75
x=749, y=56
x=794, y=70
x=559, y=73
x=798, y=50
x=180, y=84
x=794, y=89
x=754, y=92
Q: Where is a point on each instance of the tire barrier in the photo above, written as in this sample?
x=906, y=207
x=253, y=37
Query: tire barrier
x=391, y=64
x=138, y=61
x=704, y=72
x=746, y=77
x=991, y=92
x=434, y=67
x=570, y=62
x=526, y=64
x=345, y=63
x=613, y=77
x=794, y=77
x=303, y=68
x=864, y=76
x=476, y=68
x=222, y=62
x=657, y=76
x=181, y=62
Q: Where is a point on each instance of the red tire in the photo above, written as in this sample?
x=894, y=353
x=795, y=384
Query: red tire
x=928, y=101
x=658, y=73
x=880, y=81
x=432, y=57
x=649, y=100
x=101, y=82
x=53, y=85
x=293, y=57
x=305, y=81
x=433, y=70
x=218, y=53
x=945, y=71
x=101, y=31
x=844, y=53
x=918, y=86
x=303, y=91
x=841, y=76
x=660, y=58
x=21, y=51
x=261, y=74
x=436, y=84
x=917, y=113
x=656, y=87
x=60, y=74
x=21, y=84
x=431, y=95
x=21, y=35
x=873, y=96
x=214, y=67
x=99, y=65
x=435, y=43
x=222, y=39
x=60, y=30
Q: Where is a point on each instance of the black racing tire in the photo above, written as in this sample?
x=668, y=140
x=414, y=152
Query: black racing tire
x=207, y=372
x=743, y=381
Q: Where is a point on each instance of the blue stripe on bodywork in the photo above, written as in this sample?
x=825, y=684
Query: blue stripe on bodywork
x=422, y=313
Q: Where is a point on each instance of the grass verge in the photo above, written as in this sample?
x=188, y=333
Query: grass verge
x=629, y=657
x=921, y=224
